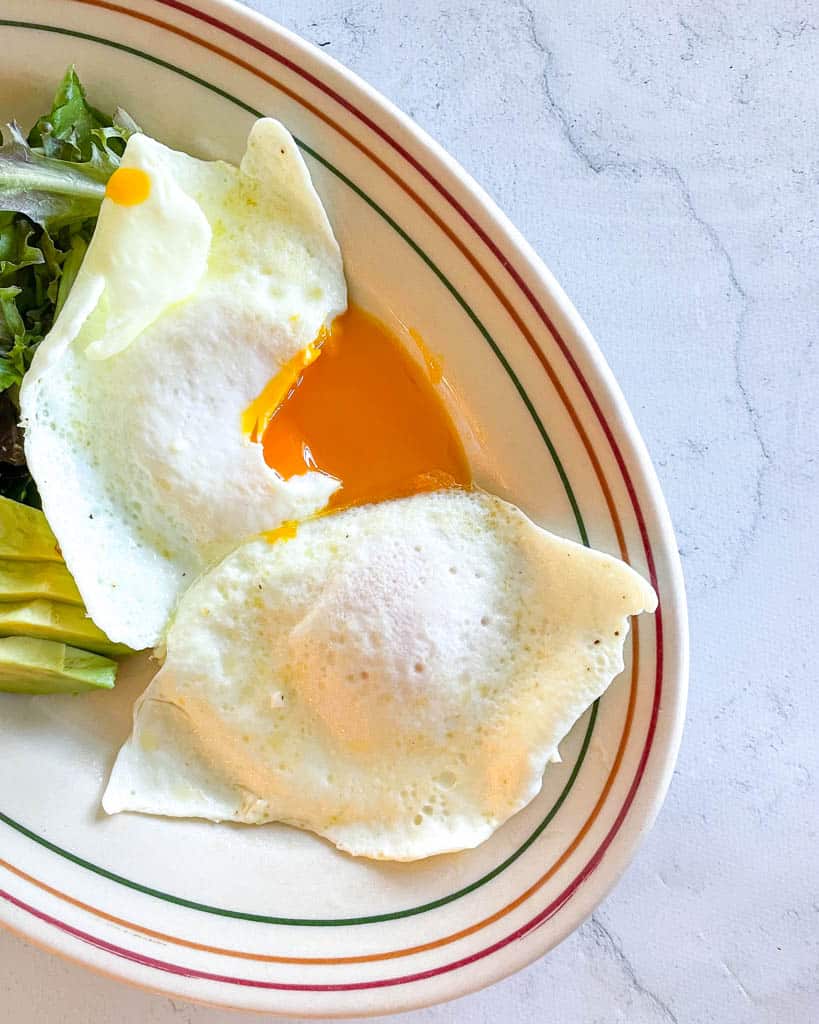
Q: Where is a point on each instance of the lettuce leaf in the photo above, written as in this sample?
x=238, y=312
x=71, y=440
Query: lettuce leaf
x=67, y=132
x=49, y=191
x=57, y=175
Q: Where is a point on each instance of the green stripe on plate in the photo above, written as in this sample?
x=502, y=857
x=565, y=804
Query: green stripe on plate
x=472, y=887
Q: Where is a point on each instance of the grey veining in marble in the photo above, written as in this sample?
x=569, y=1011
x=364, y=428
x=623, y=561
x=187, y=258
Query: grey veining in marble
x=662, y=157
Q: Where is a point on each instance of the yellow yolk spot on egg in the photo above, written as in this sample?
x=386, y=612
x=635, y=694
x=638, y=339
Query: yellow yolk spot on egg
x=128, y=186
x=367, y=413
x=287, y=531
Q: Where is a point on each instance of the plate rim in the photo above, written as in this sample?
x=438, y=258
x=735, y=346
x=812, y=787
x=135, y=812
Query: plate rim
x=654, y=508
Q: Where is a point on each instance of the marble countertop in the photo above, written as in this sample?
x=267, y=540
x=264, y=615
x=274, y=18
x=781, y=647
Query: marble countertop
x=662, y=159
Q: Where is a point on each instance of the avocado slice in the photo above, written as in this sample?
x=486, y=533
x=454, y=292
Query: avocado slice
x=28, y=665
x=49, y=620
x=22, y=581
x=25, y=534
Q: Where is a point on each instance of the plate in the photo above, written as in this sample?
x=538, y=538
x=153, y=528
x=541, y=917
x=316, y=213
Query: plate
x=272, y=918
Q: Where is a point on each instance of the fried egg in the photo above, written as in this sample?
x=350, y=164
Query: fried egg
x=203, y=284
x=394, y=677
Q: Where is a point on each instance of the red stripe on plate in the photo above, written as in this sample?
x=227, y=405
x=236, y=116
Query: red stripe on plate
x=552, y=908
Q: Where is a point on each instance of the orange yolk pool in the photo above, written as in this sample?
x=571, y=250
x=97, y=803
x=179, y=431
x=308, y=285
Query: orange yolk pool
x=365, y=412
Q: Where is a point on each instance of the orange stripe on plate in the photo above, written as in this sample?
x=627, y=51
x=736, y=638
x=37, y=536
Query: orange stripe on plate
x=505, y=302
x=369, y=957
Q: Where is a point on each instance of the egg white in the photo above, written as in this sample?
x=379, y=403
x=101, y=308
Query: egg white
x=395, y=677
x=186, y=305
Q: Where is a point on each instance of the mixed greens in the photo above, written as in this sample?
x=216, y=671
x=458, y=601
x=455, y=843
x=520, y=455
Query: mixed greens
x=52, y=182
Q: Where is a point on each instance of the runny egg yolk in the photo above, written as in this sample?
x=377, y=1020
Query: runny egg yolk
x=128, y=186
x=366, y=413
x=257, y=416
x=288, y=529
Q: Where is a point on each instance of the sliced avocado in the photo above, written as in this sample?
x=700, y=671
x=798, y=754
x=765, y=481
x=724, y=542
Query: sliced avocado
x=64, y=623
x=43, y=666
x=25, y=534
x=22, y=581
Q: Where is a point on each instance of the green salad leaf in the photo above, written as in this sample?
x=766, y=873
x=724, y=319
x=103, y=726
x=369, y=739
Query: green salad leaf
x=67, y=132
x=51, y=185
x=48, y=191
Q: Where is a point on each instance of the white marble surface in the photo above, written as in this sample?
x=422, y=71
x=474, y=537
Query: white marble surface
x=661, y=155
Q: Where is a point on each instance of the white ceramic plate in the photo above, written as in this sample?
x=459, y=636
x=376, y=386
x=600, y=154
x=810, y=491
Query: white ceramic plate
x=271, y=918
